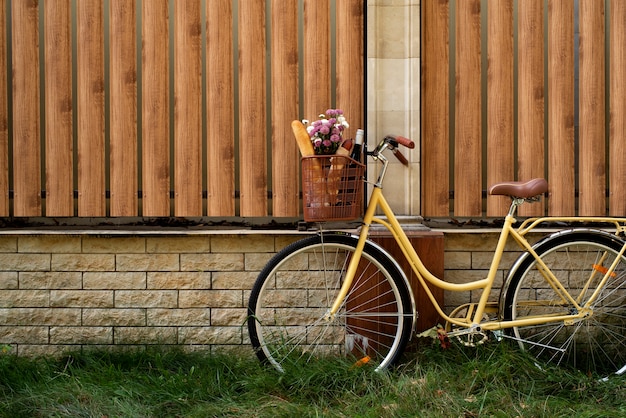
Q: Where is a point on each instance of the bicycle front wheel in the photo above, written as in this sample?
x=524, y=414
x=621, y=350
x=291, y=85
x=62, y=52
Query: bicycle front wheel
x=595, y=344
x=290, y=299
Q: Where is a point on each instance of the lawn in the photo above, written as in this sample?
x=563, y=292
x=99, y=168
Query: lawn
x=492, y=380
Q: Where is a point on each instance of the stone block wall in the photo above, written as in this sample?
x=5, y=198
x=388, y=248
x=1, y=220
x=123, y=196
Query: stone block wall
x=61, y=292
x=65, y=291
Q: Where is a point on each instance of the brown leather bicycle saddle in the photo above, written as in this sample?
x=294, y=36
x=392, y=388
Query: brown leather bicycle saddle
x=520, y=189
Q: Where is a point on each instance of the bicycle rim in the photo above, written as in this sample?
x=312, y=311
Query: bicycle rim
x=288, y=307
x=595, y=344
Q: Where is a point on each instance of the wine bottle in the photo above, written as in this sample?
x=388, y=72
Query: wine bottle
x=357, y=147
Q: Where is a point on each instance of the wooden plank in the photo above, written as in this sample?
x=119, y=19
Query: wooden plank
x=58, y=109
x=316, y=45
x=252, y=109
x=435, y=87
x=188, y=108
x=617, y=108
x=123, y=104
x=284, y=81
x=26, y=117
x=531, y=137
x=467, y=134
x=561, y=107
x=500, y=112
x=90, y=85
x=349, y=63
x=220, y=109
x=155, y=116
x=4, y=115
x=592, y=141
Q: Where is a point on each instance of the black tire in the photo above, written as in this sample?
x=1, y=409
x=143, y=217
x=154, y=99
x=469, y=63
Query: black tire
x=595, y=344
x=292, y=294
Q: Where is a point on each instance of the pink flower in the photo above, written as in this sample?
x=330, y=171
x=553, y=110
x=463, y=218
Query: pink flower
x=326, y=132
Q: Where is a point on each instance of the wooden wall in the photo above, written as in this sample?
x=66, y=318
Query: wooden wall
x=168, y=107
x=522, y=89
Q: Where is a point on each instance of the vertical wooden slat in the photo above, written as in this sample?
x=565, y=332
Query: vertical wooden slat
x=435, y=135
x=592, y=149
x=220, y=105
x=155, y=109
x=561, y=107
x=530, y=149
x=500, y=120
x=90, y=85
x=316, y=83
x=26, y=120
x=188, y=108
x=284, y=81
x=468, y=140
x=4, y=115
x=252, y=109
x=58, y=109
x=617, y=108
x=123, y=82
x=349, y=62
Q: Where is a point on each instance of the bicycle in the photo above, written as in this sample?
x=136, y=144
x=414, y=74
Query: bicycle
x=340, y=294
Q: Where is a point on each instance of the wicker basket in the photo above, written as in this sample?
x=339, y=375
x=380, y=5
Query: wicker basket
x=332, y=188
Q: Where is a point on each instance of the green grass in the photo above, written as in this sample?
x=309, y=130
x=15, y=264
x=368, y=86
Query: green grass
x=493, y=380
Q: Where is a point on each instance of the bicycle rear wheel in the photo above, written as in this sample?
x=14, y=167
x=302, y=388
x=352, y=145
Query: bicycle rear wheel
x=293, y=293
x=579, y=259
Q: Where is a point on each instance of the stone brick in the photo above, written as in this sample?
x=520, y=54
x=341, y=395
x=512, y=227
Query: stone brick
x=178, y=317
x=114, y=245
x=212, y=262
x=50, y=280
x=51, y=351
x=114, y=280
x=234, y=280
x=81, y=298
x=210, y=298
x=458, y=260
x=24, y=298
x=256, y=261
x=146, y=299
x=147, y=262
x=210, y=335
x=40, y=316
x=8, y=280
x=190, y=244
x=242, y=243
x=8, y=244
x=83, y=262
x=482, y=260
x=48, y=244
x=179, y=280
x=145, y=335
x=114, y=317
x=24, y=335
x=24, y=262
x=228, y=317
x=81, y=335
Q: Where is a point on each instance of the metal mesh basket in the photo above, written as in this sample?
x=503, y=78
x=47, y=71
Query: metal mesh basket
x=332, y=188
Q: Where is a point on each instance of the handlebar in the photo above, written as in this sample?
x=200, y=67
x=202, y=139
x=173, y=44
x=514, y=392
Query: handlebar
x=403, y=141
x=392, y=142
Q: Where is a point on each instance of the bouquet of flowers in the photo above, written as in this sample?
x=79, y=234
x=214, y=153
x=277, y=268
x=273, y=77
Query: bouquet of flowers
x=327, y=132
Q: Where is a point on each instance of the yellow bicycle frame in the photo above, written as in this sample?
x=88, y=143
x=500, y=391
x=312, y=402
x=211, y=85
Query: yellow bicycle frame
x=475, y=317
